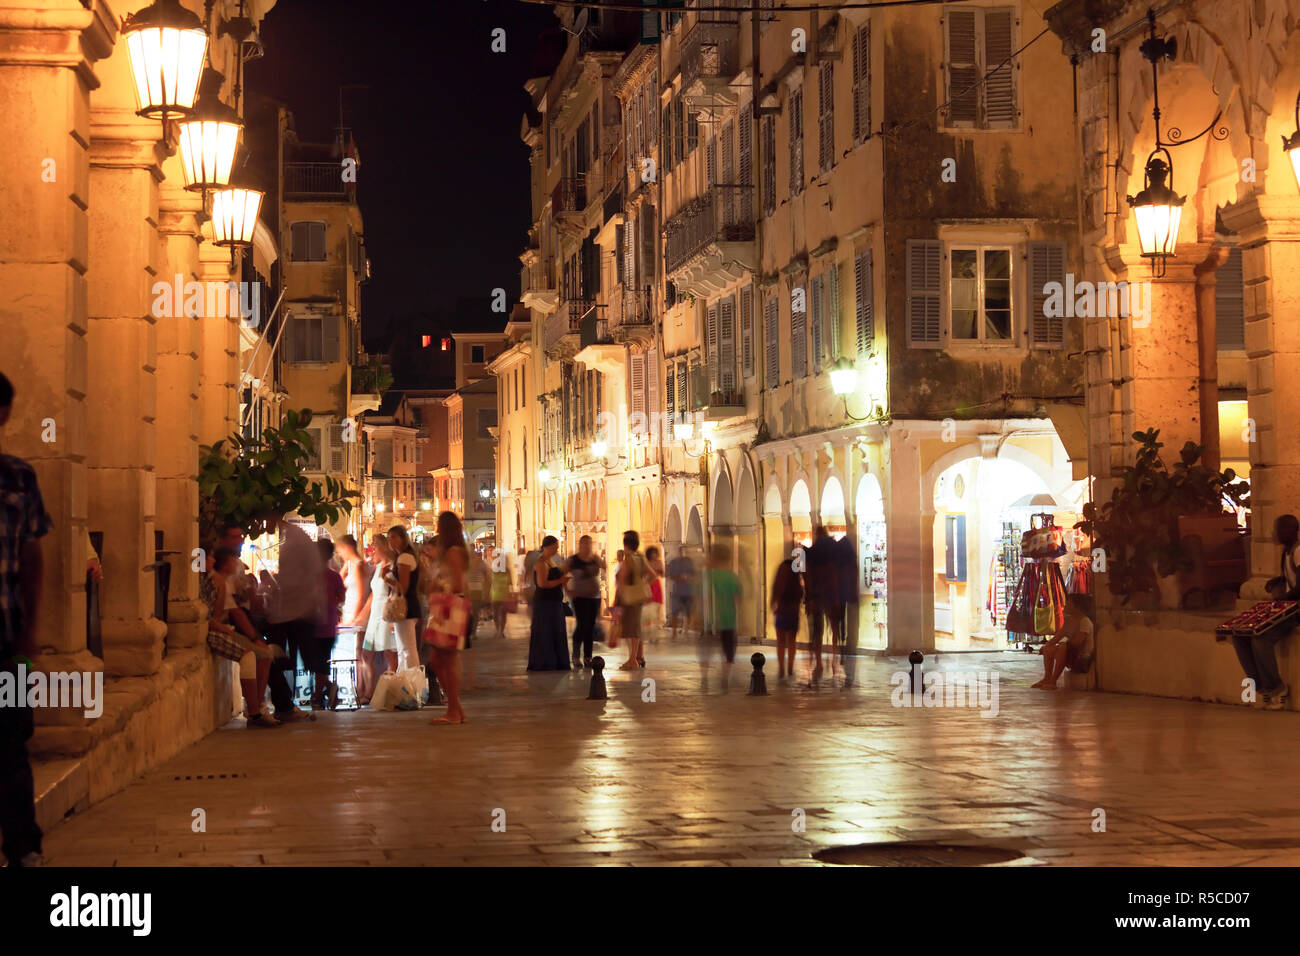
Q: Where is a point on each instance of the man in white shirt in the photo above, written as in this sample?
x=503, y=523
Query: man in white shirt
x=298, y=599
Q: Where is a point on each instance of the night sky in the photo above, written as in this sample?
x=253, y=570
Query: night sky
x=443, y=181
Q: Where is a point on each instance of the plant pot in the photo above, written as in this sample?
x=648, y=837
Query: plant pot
x=1171, y=591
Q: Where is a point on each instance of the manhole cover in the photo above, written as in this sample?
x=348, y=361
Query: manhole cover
x=916, y=854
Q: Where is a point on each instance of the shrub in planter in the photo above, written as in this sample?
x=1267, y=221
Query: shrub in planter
x=1138, y=527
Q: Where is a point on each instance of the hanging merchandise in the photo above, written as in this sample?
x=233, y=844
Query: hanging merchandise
x=1079, y=580
x=1038, y=609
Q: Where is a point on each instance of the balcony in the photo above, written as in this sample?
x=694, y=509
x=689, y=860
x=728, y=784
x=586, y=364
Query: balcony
x=713, y=404
x=562, y=333
x=710, y=61
x=636, y=319
x=595, y=328
x=710, y=242
x=315, y=182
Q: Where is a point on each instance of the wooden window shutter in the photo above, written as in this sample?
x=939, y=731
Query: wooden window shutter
x=768, y=131
x=833, y=312
x=924, y=281
x=796, y=141
x=595, y=131
x=711, y=162
x=670, y=393
x=825, y=116
x=652, y=383
x=679, y=123
x=652, y=98
x=746, y=178
x=815, y=294
x=338, y=450
x=1046, y=264
x=862, y=83
x=963, y=69
x=711, y=345
x=1229, y=302
x=999, y=87
x=864, y=291
x=647, y=248
x=683, y=389
x=799, y=343
x=727, y=343
x=728, y=180
x=637, y=381
x=772, y=360
x=629, y=256
x=667, y=151
x=747, y=332
x=330, y=341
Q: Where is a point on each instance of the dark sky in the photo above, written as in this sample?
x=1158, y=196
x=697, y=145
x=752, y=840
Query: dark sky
x=443, y=181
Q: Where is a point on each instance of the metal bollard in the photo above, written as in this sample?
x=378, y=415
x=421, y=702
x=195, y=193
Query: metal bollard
x=757, y=680
x=597, y=691
x=914, y=658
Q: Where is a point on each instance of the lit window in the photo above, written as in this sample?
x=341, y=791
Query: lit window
x=979, y=294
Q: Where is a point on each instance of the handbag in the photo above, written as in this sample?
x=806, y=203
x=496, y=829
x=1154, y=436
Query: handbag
x=512, y=603
x=615, y=627
x=448, y=621
x=230, y=646
x=638, y=592
x=395, y=607
x=1019, y=619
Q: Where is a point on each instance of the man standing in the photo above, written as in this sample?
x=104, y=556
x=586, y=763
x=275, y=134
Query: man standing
x=846, y=566
x=821, y=594
x=681, y=596
x=299, y=599
x=23, y=522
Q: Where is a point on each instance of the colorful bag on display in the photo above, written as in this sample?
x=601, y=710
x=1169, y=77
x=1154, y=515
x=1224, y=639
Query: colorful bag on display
x=1039, y=543
x=1020, y=617
x=448, y=621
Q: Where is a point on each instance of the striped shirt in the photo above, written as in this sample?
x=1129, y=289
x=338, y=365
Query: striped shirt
x=22, y=518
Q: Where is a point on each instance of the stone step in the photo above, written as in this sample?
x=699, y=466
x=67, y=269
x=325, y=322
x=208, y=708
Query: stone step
x=62, y=788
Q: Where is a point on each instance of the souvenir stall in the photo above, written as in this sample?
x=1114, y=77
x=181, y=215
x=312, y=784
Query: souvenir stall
x=1037, y=611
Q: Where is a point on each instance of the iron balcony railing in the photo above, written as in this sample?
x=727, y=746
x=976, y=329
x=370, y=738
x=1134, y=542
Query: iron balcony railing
x=595, y=328
x=315, y=179
x=566, y=320
x=636, y=308
x=570, y=196
x=711, y=50
x=720, y=215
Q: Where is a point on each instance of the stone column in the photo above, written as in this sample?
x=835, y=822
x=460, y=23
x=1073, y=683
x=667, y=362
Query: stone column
x=125, y=156
x=219, y=371
x=909, y=511
x=178, y=413
x=46, y=75
x=1269, y=230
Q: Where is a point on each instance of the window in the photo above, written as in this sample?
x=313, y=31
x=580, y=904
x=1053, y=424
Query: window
x=727, y=344
x=711, y=345
x=487, y=418
x=954, y=534
x=1046, y=265
x=768, y=134
x=670, y=393
x=683, y=389
x=747, y=332
x=924, y=281
x=796, y=141
x=980, y=40
x=307, y=240
x=711, y=162
x=1229, y=302
x=816, y=293
x=799, y=337
x=728, y=144
x=864, y=296
x=692, y=131
x=314, y=339
x=772, y=360
x=979, y=293
x=825, y=116
x=746, y=169
x=476, y=354
x=862, y=83
x=313, y=460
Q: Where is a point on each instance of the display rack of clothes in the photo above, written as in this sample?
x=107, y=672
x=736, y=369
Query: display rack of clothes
x=1004, y=577
x=1038, y=609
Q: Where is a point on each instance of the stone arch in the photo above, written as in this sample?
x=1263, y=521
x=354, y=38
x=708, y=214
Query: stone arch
x=673, y=527
x=831, y=505
x=722, y=504
x=746, y=498
x=694, y=528
x=773, y=497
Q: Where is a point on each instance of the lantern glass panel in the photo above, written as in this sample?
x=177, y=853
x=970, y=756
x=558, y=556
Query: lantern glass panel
x=207, y=150
x=166, y=63
x=1157, y=225
x=234, y=215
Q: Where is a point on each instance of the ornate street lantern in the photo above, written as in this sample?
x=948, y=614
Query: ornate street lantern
x=844, y=377
x=209, y=137
x=1157, y=208
x=167, y=44
x=234, y=215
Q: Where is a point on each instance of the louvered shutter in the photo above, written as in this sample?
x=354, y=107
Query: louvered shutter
x=963, y=71
x=796, y=141
x=862, y=83
x=747, y=332
x=629, y=258
x=1046, y=264
x=924, y=268
x=652, y=384
x=711, y=162
x=769, y=165
x=864, y=291
x=799, y=342
x=728, y=173
x=647, y=248
x=652, y=99
x=330, y=338
x=670, y=393
x=595, y=131
x=679, y=123
x=746, y=179
x=771, y=356
x=666, y=154
x=727, y=343
x=337, y=449
x=999, y=87
x=833, y=313
x=683, y=389
x=637, y=382
x=815, y=293
x=1229, y=302
x=711, y=345
x=826, y=116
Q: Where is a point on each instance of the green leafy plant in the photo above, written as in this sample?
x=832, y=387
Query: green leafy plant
x=371, y=377
x=243, y=480
x=1138, y=527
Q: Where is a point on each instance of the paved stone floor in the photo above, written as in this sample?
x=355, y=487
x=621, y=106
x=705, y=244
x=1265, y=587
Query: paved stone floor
x=699, y=778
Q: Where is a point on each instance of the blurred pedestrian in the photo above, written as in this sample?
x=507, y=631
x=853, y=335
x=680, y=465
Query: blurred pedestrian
x=255, y=665
x=724, y=593
x=631, y=592
x=547, y=641
x=478, y=580
x=292, y=616
x=653, y=613
x=379, y=646
x=787, y=598
x=500, y=590
x=527, y=580
x=406, y=568
x=846, y=564
x=23, y=522
x=450, y=579
x=821, y=596
x=681, y=594
x=584, y=590
x=356, y=584
x=327, y=628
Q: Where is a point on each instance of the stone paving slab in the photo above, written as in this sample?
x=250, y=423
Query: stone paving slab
x=704, y=778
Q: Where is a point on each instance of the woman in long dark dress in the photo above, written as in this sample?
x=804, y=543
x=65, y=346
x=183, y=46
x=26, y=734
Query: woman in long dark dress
x=547, y=641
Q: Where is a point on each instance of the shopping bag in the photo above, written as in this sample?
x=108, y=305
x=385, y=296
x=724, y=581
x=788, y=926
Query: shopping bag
x=405, y=699
x=416, y=681
x=615, y=627
x=1019, y=618
x=448, y=621
x=512, y=603
x=386, y=692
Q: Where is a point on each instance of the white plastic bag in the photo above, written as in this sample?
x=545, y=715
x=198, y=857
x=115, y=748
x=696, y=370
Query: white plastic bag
x=416, y=681
x=387, y=692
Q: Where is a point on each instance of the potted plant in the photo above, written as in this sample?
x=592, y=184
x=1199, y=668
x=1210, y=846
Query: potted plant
x=241, y=480
x=1137, y=529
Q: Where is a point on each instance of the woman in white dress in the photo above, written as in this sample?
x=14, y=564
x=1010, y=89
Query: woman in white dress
x=356, y=612
x=380, y=641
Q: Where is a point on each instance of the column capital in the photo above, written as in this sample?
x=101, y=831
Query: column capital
x=1261, y=217
x=1191, y=260
x=74, y=35
x=121, y=139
